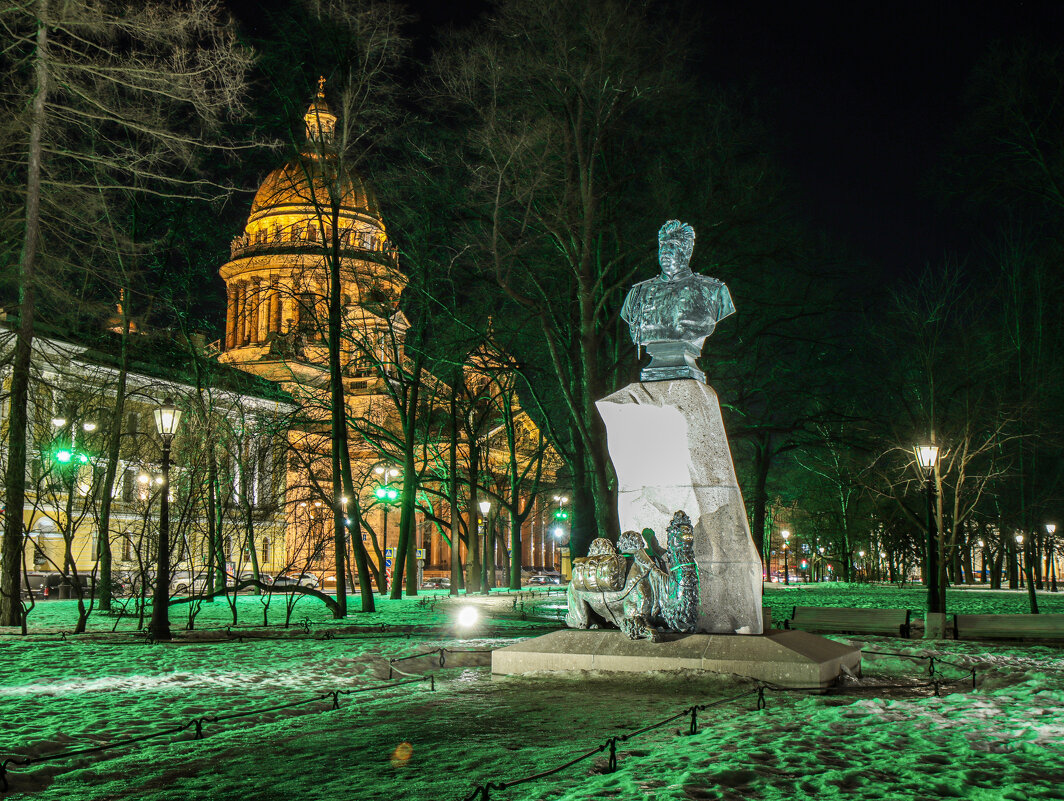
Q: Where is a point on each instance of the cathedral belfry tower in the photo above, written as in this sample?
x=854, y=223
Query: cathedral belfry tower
x=305, y=213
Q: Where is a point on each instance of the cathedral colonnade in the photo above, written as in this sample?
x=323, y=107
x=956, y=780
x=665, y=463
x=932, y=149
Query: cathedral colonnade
x=257, y=307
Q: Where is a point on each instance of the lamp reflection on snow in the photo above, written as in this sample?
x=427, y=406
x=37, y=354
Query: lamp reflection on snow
x=467, y=617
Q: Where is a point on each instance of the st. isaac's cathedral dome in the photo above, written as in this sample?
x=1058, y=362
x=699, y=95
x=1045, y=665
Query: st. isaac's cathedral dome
x=276, y=277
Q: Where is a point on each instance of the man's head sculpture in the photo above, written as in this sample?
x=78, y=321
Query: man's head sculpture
x=676, y=243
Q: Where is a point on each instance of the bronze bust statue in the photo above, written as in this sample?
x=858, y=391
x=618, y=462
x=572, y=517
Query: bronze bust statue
x=673, y=313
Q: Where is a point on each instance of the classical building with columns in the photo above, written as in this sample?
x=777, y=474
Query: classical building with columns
x=311, y=215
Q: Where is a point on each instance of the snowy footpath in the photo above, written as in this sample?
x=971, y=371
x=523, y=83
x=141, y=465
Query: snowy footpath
x=885, y=736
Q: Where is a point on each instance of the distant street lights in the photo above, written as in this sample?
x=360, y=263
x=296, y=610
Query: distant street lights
x=927, y=456
x=786, y=535
x=167, y=419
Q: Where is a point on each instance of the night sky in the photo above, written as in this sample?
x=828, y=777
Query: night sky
x=861, y=99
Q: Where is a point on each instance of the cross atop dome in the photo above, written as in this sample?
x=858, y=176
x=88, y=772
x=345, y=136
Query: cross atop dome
x=319, y=119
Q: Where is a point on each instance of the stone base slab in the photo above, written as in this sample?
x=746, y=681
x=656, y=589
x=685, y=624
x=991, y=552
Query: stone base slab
x=784, y=658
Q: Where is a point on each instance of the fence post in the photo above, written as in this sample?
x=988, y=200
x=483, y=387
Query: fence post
x=694, y=721
x=612, y=764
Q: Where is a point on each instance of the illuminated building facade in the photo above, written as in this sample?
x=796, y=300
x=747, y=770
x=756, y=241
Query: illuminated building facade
x=310, y=214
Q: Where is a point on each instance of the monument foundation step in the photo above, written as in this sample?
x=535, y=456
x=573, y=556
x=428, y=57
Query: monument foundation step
x=783, y=658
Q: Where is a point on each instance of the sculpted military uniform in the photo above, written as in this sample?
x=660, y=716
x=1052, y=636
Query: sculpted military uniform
x=686, y=308
x=673, y=313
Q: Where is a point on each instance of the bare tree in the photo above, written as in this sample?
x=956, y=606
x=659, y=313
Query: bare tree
x=152, y=83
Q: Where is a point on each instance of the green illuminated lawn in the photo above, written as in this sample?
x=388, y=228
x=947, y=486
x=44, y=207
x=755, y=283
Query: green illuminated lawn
x=1001, y=742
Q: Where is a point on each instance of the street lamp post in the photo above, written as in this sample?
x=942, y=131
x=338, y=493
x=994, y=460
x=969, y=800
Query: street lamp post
x=1028, y=566
x=927, y=456
x=167, y=418
x=1051, y=529
x=1019, y=556
x=387, y=495
x=860, y=567
x=348, y=544
x=485, y=507
x=561, y=538
x=786, y=535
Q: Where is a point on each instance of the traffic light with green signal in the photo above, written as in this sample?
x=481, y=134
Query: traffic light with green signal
x=561, y=514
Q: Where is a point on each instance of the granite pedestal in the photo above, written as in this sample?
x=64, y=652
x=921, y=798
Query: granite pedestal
x=783, y=658
x=670, y=452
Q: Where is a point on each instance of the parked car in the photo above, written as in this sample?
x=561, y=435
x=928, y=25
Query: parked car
x=284, y=581
x=437, y=583
x=247, y=575
x=544, y=579
x=308, y=580
x=184, y=582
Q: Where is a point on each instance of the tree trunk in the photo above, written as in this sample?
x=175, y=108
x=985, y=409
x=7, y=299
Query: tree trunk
x=452, y=484
x=341, y=468
x=15, y=477
x=759, y=501
x=473, y=578
x=114, y=444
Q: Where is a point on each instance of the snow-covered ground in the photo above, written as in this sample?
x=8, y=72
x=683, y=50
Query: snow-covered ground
x=1005, y=740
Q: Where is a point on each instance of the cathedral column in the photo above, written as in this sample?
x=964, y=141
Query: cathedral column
x=230, y=317
x=245, y=312
x=275, y=305
x=241, y=312
x=292, y=304
x=527, y=550
x=256, y=305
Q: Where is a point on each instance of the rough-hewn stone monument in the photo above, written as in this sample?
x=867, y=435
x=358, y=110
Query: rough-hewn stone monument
x=680, y=596
x=667, y=441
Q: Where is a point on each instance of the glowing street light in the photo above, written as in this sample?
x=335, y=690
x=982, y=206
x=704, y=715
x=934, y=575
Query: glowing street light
x=927, y=457
x=786, y=535
x=167, y=419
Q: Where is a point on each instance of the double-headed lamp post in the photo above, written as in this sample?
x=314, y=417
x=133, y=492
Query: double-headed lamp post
x=485, y=507
x=786, y=535
x=927, y=456
x=167, y=419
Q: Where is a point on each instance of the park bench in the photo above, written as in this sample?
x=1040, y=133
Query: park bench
x=850, y=620
x=1008, y=627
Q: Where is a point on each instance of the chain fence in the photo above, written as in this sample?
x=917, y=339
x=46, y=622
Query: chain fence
x=197, y=724
x=483, y=792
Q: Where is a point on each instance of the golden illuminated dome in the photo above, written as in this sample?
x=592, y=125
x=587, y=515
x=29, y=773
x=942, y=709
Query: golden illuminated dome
x=293, y=208
x=305, y=213
x=304, y=185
